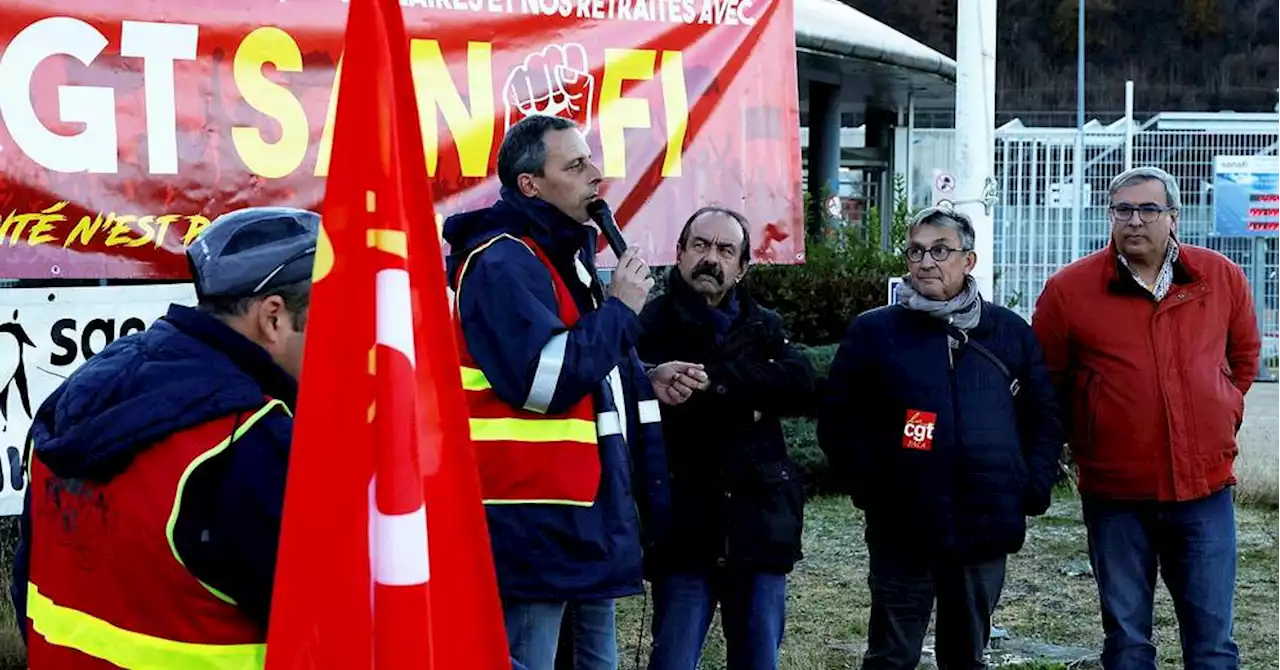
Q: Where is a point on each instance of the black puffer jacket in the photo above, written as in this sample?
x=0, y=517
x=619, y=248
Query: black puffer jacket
x=737, y=500
x=932, y=443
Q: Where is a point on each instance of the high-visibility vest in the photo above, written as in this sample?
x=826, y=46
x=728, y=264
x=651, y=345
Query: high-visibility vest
x=107, y=586
x=526, y=455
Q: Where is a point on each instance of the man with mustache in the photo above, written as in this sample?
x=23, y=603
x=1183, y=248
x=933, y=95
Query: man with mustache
x=727, y=374
x=563, y=416
x=940, y=419
x=1153, y=344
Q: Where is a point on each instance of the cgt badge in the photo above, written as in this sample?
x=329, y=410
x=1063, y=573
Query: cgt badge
x=917, y=434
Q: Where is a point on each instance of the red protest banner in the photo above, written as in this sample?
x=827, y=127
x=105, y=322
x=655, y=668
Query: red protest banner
x=126, y=126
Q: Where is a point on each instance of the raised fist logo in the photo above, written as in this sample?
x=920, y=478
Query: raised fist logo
x=553, y=82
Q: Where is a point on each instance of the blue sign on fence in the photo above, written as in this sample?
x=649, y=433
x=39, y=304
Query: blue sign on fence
x=1246, y=196
x=894, y=283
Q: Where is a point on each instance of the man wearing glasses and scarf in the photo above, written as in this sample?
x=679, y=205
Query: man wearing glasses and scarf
x=1153, y=344
x=940, y=419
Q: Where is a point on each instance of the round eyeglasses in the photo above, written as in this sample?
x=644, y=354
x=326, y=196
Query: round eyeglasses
x=939, y=252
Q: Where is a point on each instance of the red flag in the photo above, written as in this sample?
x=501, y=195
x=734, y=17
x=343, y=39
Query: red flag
x=384, y=554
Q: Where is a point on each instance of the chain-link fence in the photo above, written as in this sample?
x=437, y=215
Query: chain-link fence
x=1037, y=232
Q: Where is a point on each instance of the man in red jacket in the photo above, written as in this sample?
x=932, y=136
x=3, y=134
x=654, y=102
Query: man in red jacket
x=1153, y=344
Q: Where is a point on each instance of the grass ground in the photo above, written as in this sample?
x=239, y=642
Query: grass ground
x=1258, y=465
x=12, y=654
x=828, y=600
x=1256, y=474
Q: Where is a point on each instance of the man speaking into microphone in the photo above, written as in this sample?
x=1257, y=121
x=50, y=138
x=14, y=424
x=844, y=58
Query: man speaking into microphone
x=563, y=417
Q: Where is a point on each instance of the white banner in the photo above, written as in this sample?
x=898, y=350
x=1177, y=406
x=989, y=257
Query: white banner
x=45, y=334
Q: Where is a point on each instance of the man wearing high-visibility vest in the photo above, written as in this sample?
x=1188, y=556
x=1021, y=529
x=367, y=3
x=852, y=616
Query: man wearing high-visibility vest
x=563, y=416
x=157, y=470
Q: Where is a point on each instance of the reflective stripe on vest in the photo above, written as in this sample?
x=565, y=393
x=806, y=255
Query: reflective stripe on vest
x=200, y=460
x=74, y=629
x=524, y=454
x=90, y=635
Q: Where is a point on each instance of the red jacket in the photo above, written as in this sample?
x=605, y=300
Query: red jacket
x=1153, y=392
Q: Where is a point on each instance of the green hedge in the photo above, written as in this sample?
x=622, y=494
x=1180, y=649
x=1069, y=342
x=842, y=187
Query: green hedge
x=801, y=436
x=846, y=272
x=818, y=299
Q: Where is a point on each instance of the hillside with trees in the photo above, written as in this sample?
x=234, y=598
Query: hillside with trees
x=1185, y=55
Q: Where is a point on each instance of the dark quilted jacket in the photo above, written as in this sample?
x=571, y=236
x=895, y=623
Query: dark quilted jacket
x=992, y=457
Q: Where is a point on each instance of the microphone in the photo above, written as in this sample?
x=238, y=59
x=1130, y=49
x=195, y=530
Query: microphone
x=599, y=212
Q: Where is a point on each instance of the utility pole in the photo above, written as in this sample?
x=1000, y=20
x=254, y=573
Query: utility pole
x=1078, y=210
x=975, y=128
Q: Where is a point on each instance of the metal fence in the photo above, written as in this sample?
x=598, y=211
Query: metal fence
x=1036, y=232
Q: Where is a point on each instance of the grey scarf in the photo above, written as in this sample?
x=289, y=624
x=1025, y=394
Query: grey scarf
x=962, y=311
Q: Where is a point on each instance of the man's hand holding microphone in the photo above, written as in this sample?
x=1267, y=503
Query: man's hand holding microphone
x=631, y=281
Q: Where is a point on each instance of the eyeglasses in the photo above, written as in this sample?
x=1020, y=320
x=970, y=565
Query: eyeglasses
x=1148, y=213
x=939, y=252
x=271, y=275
